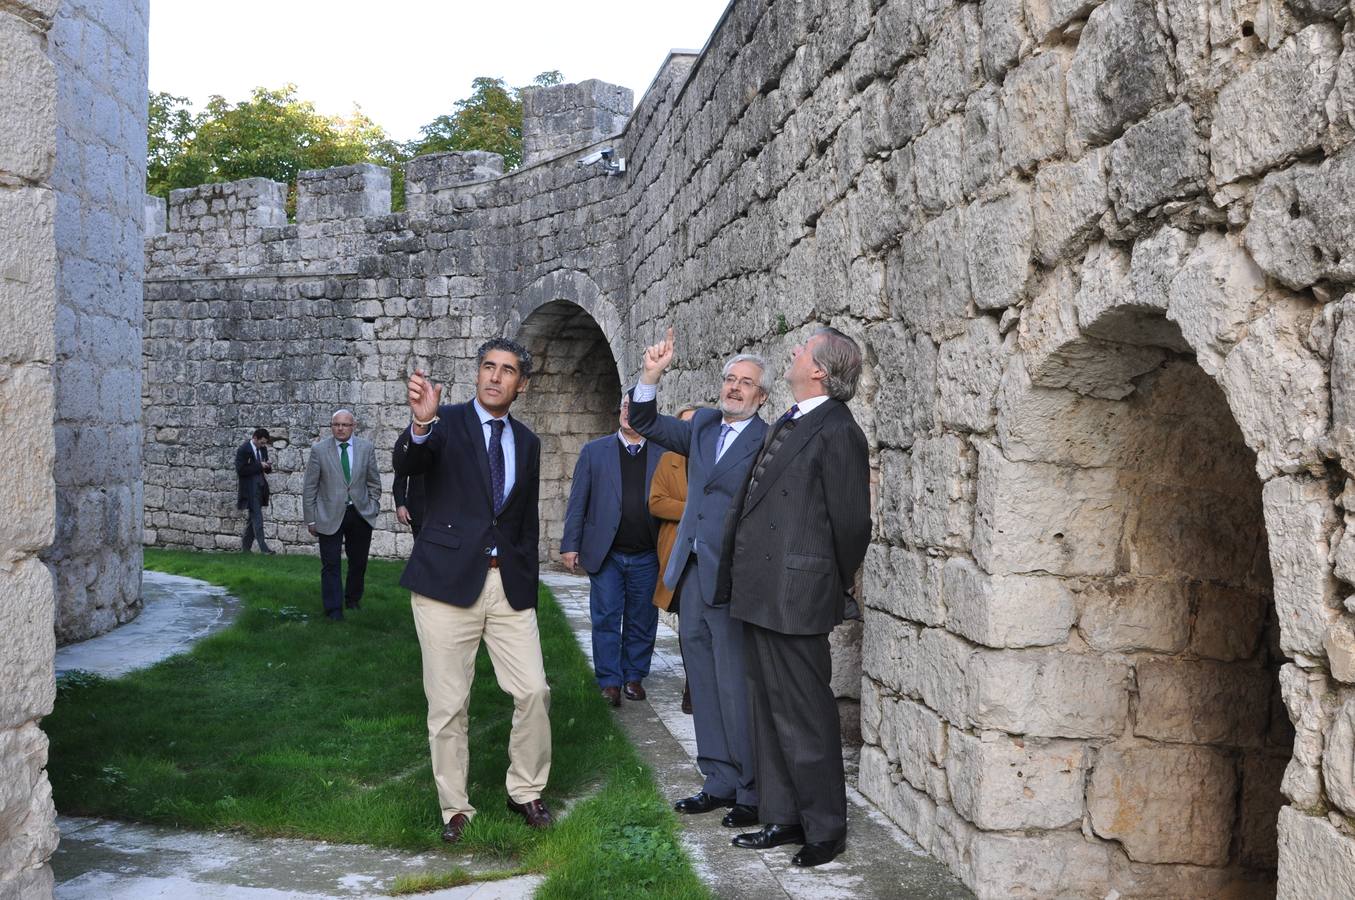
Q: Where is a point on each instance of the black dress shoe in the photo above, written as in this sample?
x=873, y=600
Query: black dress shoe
x=335, y=615
x=819, y=852
x=701, y=802
x=352, y=604
x=770, y=836
x=451, y=832
x=741, y=816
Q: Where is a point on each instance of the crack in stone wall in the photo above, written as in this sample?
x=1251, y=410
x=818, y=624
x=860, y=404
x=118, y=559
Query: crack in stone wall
x=1098, y=256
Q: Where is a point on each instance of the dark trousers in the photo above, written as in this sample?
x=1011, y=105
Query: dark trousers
x=354, y=538
x=254, y=524
x=797, y=737
x=624, y=616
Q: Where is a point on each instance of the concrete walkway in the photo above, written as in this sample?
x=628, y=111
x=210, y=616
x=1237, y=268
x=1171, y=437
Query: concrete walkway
x=124, y=861
x=881, y=861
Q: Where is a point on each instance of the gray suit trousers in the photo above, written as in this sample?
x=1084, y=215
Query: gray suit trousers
x=712, y=653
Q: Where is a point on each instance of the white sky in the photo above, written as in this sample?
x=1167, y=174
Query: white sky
x=405, y=63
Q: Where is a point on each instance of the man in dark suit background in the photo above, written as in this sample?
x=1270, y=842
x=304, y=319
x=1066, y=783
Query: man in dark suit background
x=609, y=530
x=790, y=557
x=473, y=575
x=720, y=445
x=409, y=504
x=251, y=467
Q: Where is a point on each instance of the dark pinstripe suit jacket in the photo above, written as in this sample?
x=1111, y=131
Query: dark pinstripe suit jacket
x=792, y=549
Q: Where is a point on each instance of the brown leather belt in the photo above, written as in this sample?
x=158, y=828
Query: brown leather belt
x=493, y=562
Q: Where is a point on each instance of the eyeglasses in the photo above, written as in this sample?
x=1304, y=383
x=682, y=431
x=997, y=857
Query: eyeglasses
x=748, y=383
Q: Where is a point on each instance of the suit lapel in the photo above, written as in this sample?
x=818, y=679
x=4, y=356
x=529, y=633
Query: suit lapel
x=611, y=464
x=805, y=429
x=519, y=457
x=745, y=443
x=470, y=420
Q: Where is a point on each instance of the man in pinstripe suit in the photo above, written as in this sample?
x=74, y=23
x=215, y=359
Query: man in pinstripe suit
x=792, y=547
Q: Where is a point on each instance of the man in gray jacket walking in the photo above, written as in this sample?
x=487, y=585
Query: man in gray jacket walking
x=340, y=500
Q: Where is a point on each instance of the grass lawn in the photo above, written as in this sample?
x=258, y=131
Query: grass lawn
x=286, y=724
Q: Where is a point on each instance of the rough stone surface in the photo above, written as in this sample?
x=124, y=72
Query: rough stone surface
x=1316, y=859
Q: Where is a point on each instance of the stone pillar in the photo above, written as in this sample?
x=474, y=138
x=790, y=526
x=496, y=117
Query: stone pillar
x=156, y=216
x=428, y=175
x=343, y=192
x=28, y=109
x=562, y=117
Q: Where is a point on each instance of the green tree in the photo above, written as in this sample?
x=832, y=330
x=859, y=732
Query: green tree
x=489, y=119
x=170, y=130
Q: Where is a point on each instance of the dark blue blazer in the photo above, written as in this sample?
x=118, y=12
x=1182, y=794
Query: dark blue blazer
x=594, y=511
x=451, y=553
x=711, y=486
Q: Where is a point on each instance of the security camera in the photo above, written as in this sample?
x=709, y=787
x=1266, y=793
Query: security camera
x=595, y=156
x=611, y=163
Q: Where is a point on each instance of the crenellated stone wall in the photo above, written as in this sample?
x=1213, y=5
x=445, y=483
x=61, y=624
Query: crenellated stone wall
x=100, y=51
x=28, y=265
x=1099, y=257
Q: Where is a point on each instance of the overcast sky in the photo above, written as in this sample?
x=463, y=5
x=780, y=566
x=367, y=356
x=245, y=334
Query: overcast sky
x=408, y=63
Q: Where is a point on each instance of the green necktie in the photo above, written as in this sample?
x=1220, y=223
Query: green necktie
x=347, y=468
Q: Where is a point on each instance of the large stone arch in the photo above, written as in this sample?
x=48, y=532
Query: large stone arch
x=573, y=286
x=574, y=391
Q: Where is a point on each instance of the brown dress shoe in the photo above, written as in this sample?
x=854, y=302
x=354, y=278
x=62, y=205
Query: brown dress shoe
x=612, y=695
x=635, y=690
x=686, y=699
x=534, y=811
x=451, y=832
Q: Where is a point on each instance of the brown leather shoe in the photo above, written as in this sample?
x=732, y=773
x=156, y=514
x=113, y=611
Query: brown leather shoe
x=534, y=811
x=612, y=695
x=635, y=690
x=451, y=832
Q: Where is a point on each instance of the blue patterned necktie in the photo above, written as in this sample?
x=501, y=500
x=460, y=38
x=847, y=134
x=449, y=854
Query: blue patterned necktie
x=789, y=414
x=633, y=449
x=496, y=473
x=725, y=431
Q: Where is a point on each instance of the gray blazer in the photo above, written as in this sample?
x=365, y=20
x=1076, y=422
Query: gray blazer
x=324, y=496
x=711, y=486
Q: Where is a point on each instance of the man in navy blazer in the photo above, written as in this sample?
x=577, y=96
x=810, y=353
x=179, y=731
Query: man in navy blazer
x=720, y=446
x=473, y=575
x=608, y=528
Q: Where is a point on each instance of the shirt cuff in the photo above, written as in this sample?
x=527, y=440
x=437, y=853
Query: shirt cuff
x=645, y=392
x=419, y=438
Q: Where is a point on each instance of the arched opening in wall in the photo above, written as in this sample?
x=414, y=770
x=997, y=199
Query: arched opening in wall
x=1120, y=467
x=572, y=398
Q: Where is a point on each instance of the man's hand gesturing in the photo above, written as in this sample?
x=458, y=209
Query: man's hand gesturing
x=424, y=398
x=657, y=358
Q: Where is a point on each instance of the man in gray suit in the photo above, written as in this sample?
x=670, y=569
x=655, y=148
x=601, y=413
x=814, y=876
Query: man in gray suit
x=340, y=500
x=720, y=445
x=789, y=559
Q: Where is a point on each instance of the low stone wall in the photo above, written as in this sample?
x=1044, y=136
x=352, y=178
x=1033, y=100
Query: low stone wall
x=28, y=271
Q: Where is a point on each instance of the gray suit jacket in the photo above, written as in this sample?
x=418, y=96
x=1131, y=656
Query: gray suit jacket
x=711, y=486
x=324, y=496
x=794, y=545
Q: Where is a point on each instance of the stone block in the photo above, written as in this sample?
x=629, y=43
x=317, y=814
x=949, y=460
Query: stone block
x=1126, y=615
x=894, y=500
x=1006, y=610
x=904, y=583
x=905, y=372
x=1047, y=693
x=1069, y=200
x=1164, y=804
x=1036, y=517
x=926, y=281
x=1339, y=642
x=1058, y=355
x=888, y=651
x=1338, y=758
x=1033, y=114
x=1002, y=783
x=1261, y=803
x=1229, y=621
x=563, y=117
x=916, y=740
x=1299, y=523
x=1037, y=424
x=27, y=275
x=27, y=646
x=938, y=165
x=27, y=491
x=1202, y=702
x=1122, y=70
x=1159, y=159
x=1302, y=224
x=1276, y=109
x=28, y=116
x=1315, y=859
x=26, y=813
x=1043, y=17
x=1212, y=297
x=1054, y=864
x=953, y=66
x=999, y=239
x=983, y=154
x=1004, y=32
x=968, y=370
x=942, y=661
x=942, y=481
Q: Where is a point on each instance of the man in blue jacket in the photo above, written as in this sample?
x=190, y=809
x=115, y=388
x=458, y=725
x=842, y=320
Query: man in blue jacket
x=473, y=575
x=608, y=529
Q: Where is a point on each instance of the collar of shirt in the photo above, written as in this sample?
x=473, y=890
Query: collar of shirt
x=809, y=405
x=621, y=437
x=738, y=426
x=486, y=416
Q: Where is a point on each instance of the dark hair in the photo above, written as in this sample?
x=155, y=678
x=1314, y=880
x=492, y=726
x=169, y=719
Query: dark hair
x=262, y=433
x=522, y=353
x=840, y=357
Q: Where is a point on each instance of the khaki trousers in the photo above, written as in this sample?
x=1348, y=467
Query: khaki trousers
x=449, y=637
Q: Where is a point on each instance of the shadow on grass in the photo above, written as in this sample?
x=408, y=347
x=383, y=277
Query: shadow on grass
x=286, y=724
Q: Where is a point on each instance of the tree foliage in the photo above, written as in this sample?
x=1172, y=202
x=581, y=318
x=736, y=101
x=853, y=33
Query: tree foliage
x=489, y=119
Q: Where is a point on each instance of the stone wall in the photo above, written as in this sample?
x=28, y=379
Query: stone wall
x=100, y=50
x=28, y=123
x=1098, y=255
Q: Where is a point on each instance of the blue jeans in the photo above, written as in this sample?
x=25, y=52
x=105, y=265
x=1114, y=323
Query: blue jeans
x=624, y=616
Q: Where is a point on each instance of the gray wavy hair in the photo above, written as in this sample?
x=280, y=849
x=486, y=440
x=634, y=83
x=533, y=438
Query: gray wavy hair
x=840, y=357
x=764, y=380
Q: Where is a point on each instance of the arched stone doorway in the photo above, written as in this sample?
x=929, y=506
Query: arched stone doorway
x=572, y=398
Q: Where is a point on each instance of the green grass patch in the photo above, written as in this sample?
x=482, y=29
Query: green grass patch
x=286, y=724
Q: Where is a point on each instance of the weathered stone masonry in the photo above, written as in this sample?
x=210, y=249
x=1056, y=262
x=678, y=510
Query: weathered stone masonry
x=1098, y=254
